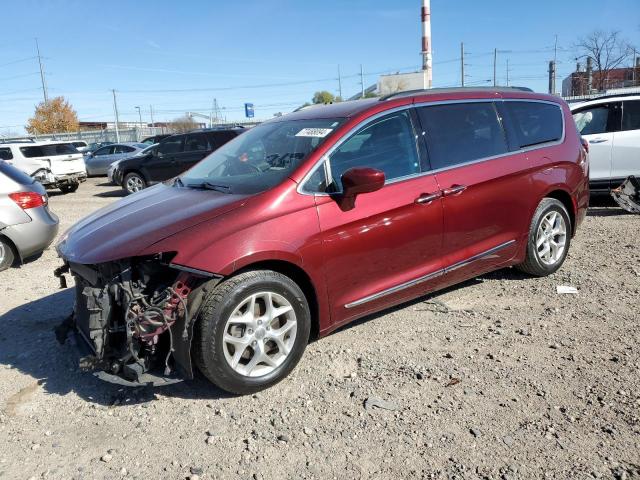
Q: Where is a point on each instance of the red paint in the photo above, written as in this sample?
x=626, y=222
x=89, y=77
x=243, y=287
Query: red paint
x=387, y=239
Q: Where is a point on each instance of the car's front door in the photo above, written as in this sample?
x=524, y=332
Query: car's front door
x=386, y=248
x=164, y=162
x=626, y=144
x=598, y=124
x=101, y=159
x=196, y=147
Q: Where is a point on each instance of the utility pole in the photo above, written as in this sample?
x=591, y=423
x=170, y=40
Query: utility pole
x=462, y=64
x=555, y=62
x=140, y=117
x=552, y=77
x=590, y=75
x=362, y=81
x=495, y=61
x=339, y=83
x=115, y=109
x=44, y=85
x=216, y=114
x=635, y=63
x=507, y=72
x=151, y=113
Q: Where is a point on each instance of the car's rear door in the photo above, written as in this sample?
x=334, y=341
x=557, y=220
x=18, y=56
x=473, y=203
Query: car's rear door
x=598, y=124
x=164, y=162
x=387, y=248
x=626, y=144
x=484, y=185
x=196, y=147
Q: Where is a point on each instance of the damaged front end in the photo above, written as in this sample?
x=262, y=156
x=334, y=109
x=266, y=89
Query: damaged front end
x=136, y=316
x=627, y=195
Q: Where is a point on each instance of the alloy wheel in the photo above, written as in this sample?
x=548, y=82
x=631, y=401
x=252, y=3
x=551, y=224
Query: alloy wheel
x=551, y=238
x=2, y=253
x=259, y=334
x=134, y=184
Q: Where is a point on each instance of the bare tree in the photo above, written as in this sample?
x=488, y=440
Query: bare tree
x=183, y=124
x=607, y=51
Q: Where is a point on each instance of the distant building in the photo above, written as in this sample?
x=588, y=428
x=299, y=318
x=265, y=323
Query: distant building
x=579, y=83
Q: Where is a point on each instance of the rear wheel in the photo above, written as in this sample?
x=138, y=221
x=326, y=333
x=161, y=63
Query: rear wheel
x=251, y=331
x=133, y=182
x=7, y=256
x=549, y=239
x=69, y=187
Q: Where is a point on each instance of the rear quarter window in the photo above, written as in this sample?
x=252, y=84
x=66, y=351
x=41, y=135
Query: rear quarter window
x=535, y=123
x=5, y=153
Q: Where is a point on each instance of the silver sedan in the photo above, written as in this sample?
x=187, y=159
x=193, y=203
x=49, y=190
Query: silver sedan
x=98, y=162
x=27, y=226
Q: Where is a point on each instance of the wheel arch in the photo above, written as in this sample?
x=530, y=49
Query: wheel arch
x=16, y=253
x=300, y=277
x=567, y=200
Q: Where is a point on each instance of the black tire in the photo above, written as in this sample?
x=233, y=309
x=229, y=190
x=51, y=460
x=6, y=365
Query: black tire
x=69, y=187
x=133, y=182
x=533, y=265
x=212, y=319
x=7, y=256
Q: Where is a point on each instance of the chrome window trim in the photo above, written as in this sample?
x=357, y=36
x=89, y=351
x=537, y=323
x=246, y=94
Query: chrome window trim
x=429, y=276
x=301, y=186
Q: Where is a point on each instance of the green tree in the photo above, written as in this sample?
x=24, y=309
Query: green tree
x=323, y=97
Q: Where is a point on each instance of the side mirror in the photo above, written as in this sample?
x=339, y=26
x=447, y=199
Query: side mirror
x=359, y=180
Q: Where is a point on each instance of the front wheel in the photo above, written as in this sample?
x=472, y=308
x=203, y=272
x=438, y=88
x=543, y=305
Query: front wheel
x=549, y=239
x=251, y=331
x=133, y=182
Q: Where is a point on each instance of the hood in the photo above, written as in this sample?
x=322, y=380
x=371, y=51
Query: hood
x=125, y=228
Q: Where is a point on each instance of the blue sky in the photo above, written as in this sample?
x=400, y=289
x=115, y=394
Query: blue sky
x=236, y=51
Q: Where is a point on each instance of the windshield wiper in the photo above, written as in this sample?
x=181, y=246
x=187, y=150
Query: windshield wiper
x=211, y=186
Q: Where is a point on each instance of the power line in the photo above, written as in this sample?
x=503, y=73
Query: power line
x=19, y=76
x=18, y=61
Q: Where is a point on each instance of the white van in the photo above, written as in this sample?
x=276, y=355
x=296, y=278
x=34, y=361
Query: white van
x=53, y=164
x=611, y=125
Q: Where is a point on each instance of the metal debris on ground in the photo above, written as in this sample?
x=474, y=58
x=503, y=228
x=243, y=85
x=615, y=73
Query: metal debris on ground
x=563, y=289
x=627, y=195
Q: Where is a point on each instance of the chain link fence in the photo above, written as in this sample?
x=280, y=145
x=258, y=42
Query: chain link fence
x=93, y=136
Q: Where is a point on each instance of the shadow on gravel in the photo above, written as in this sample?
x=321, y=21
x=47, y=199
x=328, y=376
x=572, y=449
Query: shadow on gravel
x=111, y=193
x=28, y=344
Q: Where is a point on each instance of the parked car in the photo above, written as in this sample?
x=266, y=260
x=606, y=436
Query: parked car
x=611, y=125
x=27, y=226
x=80, y=145
x=171, y=157
x=53, y=164
x=313, y=219
x=155, y=138
x=115, y=164
x=92, y=147
x=98, y=162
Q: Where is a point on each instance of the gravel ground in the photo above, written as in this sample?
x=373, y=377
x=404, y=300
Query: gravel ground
x=500, y=377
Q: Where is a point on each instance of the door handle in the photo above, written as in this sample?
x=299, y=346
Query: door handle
x=454, y=190
x=598, y=140
x=427, y=198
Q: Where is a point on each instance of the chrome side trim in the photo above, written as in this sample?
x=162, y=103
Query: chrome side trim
x=397, y=288
x=424, y=278
x=478, y=256
x=300, y=189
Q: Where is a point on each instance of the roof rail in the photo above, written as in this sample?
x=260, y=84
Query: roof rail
x=409, y=93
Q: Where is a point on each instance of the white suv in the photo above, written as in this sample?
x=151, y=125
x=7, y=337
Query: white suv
x=54, y=164
x=611, y=125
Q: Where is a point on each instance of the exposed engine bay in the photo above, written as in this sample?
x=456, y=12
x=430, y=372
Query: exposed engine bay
x=136, y=316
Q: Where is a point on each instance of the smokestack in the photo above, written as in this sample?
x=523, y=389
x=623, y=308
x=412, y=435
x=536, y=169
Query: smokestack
x=426, y=43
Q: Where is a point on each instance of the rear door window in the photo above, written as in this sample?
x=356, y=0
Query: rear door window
x=171, y=145
x=49, y=150
x=5, y=153
x=535, y=123
x=196, y=142
x=123, y=149
x=103, y=151
x=631, y=115
x=220, y=138
x=387, y=144
x=462, y=132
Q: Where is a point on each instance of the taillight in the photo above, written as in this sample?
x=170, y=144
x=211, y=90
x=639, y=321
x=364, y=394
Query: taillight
x=27, y=200
x=585, y=144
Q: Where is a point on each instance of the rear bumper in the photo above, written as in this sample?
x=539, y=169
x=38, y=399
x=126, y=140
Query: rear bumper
x=35, y=236
x=50, y=180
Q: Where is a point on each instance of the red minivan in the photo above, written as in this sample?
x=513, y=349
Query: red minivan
x=316, y=218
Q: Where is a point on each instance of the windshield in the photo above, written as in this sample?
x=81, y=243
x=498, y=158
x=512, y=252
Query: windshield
x=261, y=157
x=48, y=150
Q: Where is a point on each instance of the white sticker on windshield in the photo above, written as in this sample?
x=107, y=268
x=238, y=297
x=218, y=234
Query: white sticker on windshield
x=314, y=132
